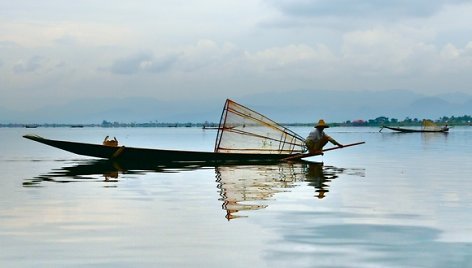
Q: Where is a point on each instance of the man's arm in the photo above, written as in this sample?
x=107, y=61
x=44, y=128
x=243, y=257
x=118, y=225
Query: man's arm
x=333, y=141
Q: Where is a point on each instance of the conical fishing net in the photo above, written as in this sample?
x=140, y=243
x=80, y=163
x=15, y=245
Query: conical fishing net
x=243, y=130
x=429, y=125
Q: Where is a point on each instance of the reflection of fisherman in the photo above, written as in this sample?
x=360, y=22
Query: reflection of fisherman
x=111, y=176
x=315, y=177
x=317, y=138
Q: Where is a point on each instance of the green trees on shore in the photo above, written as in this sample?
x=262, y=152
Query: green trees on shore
x=465, y=120
x=385, y=121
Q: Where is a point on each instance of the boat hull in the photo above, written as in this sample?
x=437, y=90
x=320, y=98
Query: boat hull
x=124, y=153
x=409, y=130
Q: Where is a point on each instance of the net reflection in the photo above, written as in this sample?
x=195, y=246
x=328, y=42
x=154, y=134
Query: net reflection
x=242, y=184
x=244, y=188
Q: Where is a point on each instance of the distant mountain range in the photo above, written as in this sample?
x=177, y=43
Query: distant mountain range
x=286, y=107
x=339, y=106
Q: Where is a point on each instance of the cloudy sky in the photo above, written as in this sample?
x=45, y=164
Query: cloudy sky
x=58, y=51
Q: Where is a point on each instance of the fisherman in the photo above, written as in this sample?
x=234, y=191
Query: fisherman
x=317, y=139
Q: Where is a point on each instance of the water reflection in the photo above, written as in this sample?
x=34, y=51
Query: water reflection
x=106, y=171
x=319, y=178
x=250, y=187
x=368, y=245
x=245, y=187
x=241, y=187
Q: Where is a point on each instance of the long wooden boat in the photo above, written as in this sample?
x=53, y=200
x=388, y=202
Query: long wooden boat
x=124, y=153
x=410, y=130
x=243, y=136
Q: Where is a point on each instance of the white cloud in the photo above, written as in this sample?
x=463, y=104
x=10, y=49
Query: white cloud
x=450, y=52
x=30, y=65
x=143, y=62
x=31, y=34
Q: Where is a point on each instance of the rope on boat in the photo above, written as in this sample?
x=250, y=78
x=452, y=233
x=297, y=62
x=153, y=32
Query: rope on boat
x=118, y=152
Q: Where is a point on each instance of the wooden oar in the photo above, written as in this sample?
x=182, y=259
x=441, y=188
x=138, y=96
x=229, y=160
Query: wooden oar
x=299, y=156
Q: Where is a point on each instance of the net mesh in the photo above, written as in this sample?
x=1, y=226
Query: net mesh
x=248, y=188
x=242, y=130
x=429, y=125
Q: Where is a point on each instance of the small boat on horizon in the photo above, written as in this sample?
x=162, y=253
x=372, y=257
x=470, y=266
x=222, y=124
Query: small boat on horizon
x=427, y=126
x=31, y=126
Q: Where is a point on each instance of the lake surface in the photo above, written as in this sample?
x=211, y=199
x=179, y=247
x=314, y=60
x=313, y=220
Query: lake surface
x=400, y=200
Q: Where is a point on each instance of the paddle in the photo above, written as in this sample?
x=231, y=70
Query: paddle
x=299, y=156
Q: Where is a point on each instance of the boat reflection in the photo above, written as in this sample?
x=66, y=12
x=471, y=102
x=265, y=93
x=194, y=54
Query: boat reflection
x=105, y=170
x=241, y=187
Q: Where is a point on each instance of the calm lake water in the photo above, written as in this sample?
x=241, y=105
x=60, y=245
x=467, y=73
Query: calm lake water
x=400, y=200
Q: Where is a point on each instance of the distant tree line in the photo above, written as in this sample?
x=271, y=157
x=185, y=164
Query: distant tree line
x=385, y=121
x=379, y=121
x=111, y=124
x=106, y=123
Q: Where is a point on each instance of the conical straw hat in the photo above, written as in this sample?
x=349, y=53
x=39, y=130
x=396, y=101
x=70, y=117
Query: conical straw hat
x=321, y=123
